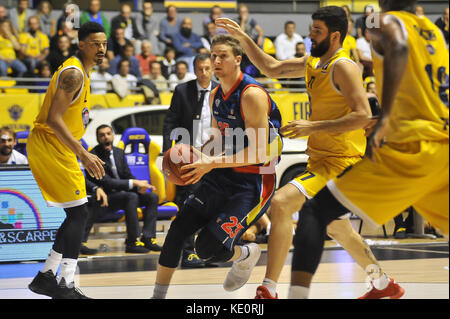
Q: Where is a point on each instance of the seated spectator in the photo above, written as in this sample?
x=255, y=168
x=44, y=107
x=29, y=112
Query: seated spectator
x=187, y=43
x=442, y=23
x=101, y=78
x=148, y=25
x=420, y=11
x=8, y=155
x=347, y=10
x=67, y=15
x=209, y=35
x=365, y=53
x=371, y=88
x=61, y=54
x=214, y=13
x=181, y=75
x=46, y=21
x=123, y=82
x=3, y=13
x=128, y=54
x=125, y=21
x=169, y=26
x=128, y=193
x=9, y=44
x=94, y=14
x=249, y=25
x=361, y=21
x=34, y=46
x=168, y=64
x=349, y=44
x=300, y=50
x=67, y=30
x=45, y=74
x=145, y=58
x=20, y=15
x=117, y=43
x=156, y=76
x=285, y=42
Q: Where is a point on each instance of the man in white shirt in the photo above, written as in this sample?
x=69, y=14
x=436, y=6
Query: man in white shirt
x=285, y=42
x=181, y=75
x=365, y=53
x=124, y=76
x=101, y=78
x=8, y=155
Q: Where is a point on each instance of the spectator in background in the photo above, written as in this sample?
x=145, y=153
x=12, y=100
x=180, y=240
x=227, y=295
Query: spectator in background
x=124, y=78
x=8, y=155
x=125, y=21
x=442, y=24
x=169, y=26
x=9, y=44
x=145, y=58
x=361, y=21
x=300, y=50
x=19, y=16
x=209, y=35
x=420, y=11
x=249, y=25
x=61, y=54
x=67, y=30
x=101, y=78
x=214, y=13
x=128, y=54
x=94, y=14
x=68, y=11
x=186, y=43
x=286, y=41
x=117, y=44
x=34, y=46
x=371, y=88
x=307, y=40
x=147, y=26
x=168, y=64
x=349, y=44
x=365, y=53
x=3, y=13
x=347, y=10
x=46, y=21
x=181, y=75
x=156, y=76
x=45, y=74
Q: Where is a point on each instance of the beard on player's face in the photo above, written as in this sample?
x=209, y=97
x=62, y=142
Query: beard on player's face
x=320, y=49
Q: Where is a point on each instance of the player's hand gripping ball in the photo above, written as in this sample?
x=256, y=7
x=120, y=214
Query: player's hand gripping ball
x=175, y=158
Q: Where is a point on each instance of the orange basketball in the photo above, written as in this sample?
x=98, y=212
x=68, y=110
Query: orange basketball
x=175, y=158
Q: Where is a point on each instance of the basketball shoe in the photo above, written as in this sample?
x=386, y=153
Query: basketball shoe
x=392, y=291
x=44, y=283
x=241, y=270
x=263, y=293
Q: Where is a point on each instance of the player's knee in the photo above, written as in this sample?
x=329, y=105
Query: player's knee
x=279, y=210
x=209, y=248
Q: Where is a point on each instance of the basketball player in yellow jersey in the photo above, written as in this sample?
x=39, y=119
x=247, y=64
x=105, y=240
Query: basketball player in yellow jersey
x=340, y=111
x=53, y=148
x=408, y=158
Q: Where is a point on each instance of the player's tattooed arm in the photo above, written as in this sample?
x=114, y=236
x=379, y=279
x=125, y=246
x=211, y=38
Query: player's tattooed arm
x=71, y=80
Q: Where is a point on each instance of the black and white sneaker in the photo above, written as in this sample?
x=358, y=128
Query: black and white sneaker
x=64, y=291
x=44, y=283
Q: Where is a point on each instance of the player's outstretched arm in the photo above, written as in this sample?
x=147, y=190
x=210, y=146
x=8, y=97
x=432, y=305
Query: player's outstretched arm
x=390, y=41
x=271, y=67
x=70, y=82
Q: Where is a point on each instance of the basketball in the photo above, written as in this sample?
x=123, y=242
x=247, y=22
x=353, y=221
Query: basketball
x=175, y=158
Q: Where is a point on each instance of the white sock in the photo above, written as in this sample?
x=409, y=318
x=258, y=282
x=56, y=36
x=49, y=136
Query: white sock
x=160, y=291
x=244, y=253
x=52, y=262
x=298, y=292
x=271, y=286
x=382, y=282
x=67, y=271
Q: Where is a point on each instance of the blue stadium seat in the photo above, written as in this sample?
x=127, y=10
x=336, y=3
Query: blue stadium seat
x=21, y=146
x=141, y=154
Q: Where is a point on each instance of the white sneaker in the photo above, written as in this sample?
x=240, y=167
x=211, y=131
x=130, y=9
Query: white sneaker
x=240, y=271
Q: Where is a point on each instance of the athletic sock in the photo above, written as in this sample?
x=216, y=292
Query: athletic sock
x=245, y=252
x=298, y=292
x=67, y=271
x=271, y=286
x=382, y=282
x=52, y=262
x=160, y=291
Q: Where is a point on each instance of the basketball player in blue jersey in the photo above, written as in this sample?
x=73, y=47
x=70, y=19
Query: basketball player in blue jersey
x=236, y=186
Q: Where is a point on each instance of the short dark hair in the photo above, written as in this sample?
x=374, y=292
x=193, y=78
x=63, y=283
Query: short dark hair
x=9, y=130
x=119, y=65
x=399, y=5
x=182, y=62
x=334, y=18
x=101, y=127
x=288, y=23
x=201, y=57
x=89, y=28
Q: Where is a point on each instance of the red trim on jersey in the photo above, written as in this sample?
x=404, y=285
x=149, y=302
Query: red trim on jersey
x=235, y=86
x=242, y=93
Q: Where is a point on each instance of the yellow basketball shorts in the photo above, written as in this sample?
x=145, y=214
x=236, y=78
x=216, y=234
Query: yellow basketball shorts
x=319, y=172
x=56, y=170
x=402, y=175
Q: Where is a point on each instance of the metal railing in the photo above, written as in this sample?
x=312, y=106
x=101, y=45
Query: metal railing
x=288, y=86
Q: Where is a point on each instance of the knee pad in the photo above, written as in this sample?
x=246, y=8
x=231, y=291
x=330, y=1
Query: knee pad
x=209, y=248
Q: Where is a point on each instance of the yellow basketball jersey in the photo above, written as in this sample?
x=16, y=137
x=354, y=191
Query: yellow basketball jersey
x=420, y=110
x=77, y=115
x=328, y=103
